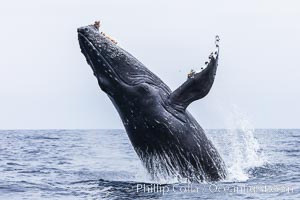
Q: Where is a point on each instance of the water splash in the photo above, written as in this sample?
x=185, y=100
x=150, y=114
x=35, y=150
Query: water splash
x=243, y=148
x=142, y=175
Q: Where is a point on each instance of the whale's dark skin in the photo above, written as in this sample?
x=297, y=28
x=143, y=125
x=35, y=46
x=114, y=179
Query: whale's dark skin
x=166, y=137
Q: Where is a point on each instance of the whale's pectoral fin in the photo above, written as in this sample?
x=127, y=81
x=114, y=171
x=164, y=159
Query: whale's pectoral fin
x=196, y=86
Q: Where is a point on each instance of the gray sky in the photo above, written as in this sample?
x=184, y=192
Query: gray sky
x=46, y=82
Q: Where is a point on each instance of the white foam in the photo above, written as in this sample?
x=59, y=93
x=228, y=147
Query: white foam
x=242, y=147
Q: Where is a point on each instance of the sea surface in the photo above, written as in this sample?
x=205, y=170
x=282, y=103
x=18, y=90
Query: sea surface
x=101, y=164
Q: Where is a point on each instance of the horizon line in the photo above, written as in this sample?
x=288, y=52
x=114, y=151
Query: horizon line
x=35, y=129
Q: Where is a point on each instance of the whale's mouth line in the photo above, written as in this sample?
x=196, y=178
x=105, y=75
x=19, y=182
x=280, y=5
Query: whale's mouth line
x=85, y=52
x=104, y=60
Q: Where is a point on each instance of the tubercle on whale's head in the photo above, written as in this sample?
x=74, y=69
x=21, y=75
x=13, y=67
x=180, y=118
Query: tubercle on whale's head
x=98, y=51
x=116, y=69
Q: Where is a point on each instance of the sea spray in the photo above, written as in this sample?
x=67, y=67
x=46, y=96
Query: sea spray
x=242, y=147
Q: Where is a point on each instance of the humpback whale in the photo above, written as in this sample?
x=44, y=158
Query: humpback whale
x=165, y=136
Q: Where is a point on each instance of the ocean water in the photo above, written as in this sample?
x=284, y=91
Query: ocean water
x=101, y=164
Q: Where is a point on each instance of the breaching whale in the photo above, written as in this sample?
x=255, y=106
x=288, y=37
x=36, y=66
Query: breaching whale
x=166, y=137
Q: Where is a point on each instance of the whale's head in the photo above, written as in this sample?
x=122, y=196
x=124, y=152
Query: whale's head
x=119, y=73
